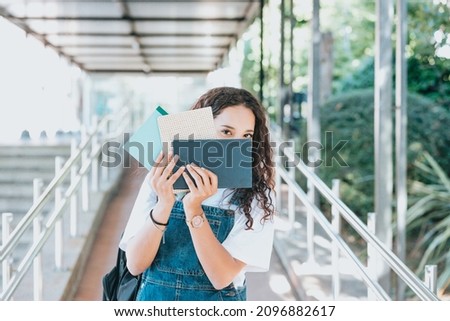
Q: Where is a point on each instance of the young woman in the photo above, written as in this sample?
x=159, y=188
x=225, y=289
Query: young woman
x=200, y=246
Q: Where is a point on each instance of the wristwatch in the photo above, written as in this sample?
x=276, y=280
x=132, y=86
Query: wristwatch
x=196, y=221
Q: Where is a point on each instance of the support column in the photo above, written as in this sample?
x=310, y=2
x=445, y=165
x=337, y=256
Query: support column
x=383, y=133
x=401, y=120
x=313, y=121
x=281, y=92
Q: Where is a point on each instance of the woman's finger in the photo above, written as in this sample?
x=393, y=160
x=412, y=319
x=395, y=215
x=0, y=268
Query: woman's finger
x=168, y=170
x=209, y=178
x=202, y=181
x=195, y=174
x=176, y=175
x=213, y=178
x=155, y=164
x=203, y=172
x=189, y=182
x=162, y=164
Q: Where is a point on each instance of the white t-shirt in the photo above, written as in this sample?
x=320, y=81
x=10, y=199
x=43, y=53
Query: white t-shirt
x=253, y=247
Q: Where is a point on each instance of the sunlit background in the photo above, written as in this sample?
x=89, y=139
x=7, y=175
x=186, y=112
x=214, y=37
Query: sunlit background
x=42, y=91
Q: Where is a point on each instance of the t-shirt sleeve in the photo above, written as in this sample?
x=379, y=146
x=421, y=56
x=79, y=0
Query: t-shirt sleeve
x=145, y=201
x=254, y=246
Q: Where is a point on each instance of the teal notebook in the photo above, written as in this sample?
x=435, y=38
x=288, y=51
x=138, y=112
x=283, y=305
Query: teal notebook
x=145, y=144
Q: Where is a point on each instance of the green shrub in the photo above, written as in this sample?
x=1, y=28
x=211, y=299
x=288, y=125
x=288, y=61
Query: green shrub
x=428, y=219
x=350, y=117
x=430, y=80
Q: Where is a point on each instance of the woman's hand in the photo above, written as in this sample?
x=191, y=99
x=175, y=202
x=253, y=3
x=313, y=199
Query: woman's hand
x=162, y=179
x=206, y=182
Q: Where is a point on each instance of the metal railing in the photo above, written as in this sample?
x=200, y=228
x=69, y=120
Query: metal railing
x=424, y=290
x=84, y=163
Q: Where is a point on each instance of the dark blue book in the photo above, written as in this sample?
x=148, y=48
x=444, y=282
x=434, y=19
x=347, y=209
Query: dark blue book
x=229, y=159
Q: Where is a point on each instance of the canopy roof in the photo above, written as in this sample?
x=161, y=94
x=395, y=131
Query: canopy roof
x=172, y=36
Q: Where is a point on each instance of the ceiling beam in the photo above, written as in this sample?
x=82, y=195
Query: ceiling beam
x=188, y=55
x=138, y=34
x=153, y=71
x=143, y=46
x=128, y=18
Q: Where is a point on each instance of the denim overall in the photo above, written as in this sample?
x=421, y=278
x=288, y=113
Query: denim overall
x=176, y=273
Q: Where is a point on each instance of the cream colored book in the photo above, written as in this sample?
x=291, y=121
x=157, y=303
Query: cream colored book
x=191, y=124
x=186, y=125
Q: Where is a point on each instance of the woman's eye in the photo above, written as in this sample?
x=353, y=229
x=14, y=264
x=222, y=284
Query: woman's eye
x=226, y=132
x=248, y=135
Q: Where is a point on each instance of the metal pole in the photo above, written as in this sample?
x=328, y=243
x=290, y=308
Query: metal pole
x=291, y=64
x=383, y=132
x=84, y=179
x=74, y=197
x=105, y=169
x=401, y=120
x=86, y=107
x=336, y=224
x=94, y=166
x=291, y=195
x=37, y=262
x=431, y=277
x=282, y=63
x=371, y=253
x=59, y=162
x=313, y=121
x=278, y=180
x=261, y=54
x=6, y=263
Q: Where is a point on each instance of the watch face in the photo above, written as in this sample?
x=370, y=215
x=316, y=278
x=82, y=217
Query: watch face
x=197, y=221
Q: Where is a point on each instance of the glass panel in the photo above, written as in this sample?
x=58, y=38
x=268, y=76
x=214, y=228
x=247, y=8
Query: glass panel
x=202, y=27
x=49, y=26
x=197, y=10
x=64, y=9
x=186, y=41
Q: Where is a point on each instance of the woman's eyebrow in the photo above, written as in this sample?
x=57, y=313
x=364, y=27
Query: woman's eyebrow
x=227, y=126
x=231, y=127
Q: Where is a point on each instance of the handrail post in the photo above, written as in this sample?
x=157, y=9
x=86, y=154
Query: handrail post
x=278, y=179
x=38, y=184
x=59, y=162
x=6, y=263
x=94, y=166
x=84, y=179
x=431, y=277
x=291, y=196
x=105, y=168
x=74, y=198
x=336, y=224
x=371, y=253
x=310, y=224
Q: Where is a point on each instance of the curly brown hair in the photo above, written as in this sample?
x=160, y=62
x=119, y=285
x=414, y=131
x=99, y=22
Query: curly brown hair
x=263, y=171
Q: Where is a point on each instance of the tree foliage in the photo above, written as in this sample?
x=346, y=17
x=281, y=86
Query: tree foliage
x=350, y=118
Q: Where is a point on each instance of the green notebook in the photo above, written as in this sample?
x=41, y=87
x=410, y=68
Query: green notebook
x=145, y=144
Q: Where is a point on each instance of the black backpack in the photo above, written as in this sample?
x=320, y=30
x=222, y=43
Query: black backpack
x=119, y=284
